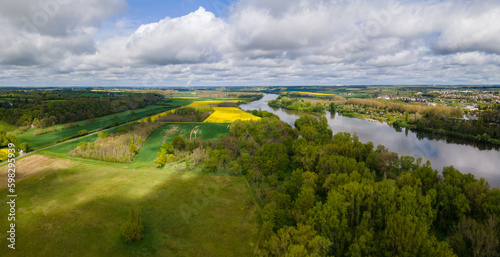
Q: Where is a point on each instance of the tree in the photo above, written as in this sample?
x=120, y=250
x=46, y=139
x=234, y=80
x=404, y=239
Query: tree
x=179, y=143
x=332, y=108
x=161, y=159
x=191, y=146
x=133, y=148
x=299, y=241
x=103, y=135
x=471, y=238
x=330, y=220
x=25, y=147
x=132, y=229
x=83, y=132
x=122, y=129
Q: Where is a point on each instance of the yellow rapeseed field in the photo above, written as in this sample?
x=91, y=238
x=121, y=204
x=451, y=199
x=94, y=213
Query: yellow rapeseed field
x=311, y=93
x=229, y=115
x=4, y=153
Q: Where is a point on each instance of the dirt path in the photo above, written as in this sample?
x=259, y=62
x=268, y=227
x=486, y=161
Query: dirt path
x=195, y=131
x=32, y=165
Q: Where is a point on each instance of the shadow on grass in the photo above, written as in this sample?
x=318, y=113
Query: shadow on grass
x=79, y=212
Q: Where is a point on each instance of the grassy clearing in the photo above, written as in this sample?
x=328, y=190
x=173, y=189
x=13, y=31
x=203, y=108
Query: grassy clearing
x=229, y=115
x=51, y=138
x=165, y=134
x=77, y=209
x=7, y=127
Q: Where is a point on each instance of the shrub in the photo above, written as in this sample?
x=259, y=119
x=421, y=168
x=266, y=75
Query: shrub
x=70, y=125
x=179, y=143
x=44, y=131
x=83, y=132
x=168, y=148
x=161, y=159
x=25, y=147
x=122, y=129
x=103, y=135
x=132, y=229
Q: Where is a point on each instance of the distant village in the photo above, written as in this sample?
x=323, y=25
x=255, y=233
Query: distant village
x=468, y=99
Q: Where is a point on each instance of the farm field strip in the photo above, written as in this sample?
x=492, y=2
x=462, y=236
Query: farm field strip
x=229, y=115
x=166, y=133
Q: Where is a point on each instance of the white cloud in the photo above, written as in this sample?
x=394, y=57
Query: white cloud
x=41, y=32
x=196, y=37
x=260, y=42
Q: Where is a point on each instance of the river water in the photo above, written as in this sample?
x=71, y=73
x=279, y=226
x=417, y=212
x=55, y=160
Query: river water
x=469, y=157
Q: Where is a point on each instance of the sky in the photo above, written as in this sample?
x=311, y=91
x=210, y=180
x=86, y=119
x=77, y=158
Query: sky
x=150, y=43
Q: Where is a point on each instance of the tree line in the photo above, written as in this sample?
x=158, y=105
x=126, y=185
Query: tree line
x=187, y=114
x=45, y=114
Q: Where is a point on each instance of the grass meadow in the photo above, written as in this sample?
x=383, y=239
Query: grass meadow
x=7, y=127
x=68, y=208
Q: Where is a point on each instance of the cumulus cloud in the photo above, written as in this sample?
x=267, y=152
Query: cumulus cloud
x=259, y=42
x=37, y=32
x=196, y=37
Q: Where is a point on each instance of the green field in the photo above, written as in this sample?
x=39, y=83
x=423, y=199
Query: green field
x=165, y=134
x=51, y=138
x=72, y=208
x=7, y=127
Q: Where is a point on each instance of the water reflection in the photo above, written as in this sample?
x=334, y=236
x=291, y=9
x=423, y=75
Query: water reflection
x=482, y=160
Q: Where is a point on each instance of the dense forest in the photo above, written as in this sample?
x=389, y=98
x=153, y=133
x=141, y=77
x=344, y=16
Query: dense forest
x=44, y=114
x=325, y=195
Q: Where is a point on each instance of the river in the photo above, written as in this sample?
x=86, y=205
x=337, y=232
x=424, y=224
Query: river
x=468, y=157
